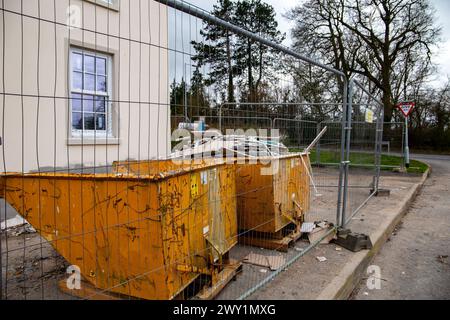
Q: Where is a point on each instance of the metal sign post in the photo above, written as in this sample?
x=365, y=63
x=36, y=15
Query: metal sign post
x=406, y=144
x=406, y=108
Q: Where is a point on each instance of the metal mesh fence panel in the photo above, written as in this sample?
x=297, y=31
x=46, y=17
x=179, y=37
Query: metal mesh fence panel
x=143, y=159
x=364, y=134
x=393, y=140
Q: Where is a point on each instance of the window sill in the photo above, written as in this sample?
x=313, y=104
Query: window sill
x=114, y=6
x=90, y=141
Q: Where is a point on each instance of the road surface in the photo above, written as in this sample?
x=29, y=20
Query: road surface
x=414, y=263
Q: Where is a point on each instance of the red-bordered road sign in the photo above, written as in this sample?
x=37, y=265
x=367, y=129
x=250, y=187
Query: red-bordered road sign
x=406, y=108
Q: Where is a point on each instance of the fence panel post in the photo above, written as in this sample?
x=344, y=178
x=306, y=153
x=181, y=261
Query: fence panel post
x=340, y=202
x=347, y=130
x=378, y=154
x=319, y=129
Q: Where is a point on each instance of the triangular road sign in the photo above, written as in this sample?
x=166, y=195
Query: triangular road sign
x=406, y=108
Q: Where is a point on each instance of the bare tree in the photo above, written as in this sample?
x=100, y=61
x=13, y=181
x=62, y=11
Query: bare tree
x=383, y=40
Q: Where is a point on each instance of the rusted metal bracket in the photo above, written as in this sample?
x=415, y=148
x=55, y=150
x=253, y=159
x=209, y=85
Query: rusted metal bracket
x=194, y=269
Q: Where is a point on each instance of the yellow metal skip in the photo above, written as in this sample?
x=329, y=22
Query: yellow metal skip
x=146, y=235
x=272, y=193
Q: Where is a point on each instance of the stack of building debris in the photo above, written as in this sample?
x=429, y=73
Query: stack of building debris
x=232, y=146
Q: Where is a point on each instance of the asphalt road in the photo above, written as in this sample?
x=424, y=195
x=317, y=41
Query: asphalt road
x=415, y=263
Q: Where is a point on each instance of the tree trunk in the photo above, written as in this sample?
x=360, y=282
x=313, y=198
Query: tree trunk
x=260, y=72
x=388, y=108
x=386, y=68
x=230, y=72
x=387, y=94
x=249, y=66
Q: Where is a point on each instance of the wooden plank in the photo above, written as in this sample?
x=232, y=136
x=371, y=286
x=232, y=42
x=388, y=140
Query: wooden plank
x=224, y=277
x=270, y=243
x=295, y=235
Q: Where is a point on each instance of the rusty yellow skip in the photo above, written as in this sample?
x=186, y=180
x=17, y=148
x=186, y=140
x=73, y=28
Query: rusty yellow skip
x=273, y=192
x=147, y=230
x=150, y=229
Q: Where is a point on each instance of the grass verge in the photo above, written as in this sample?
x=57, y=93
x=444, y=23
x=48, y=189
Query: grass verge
x=366, y=159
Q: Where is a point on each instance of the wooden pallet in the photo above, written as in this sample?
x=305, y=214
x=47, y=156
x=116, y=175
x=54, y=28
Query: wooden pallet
x=271, y=241
x=223, y=278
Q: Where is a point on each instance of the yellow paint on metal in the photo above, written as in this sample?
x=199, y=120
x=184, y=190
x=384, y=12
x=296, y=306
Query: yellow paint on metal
x=194, y=186
x=130, y=231
x=272, y=194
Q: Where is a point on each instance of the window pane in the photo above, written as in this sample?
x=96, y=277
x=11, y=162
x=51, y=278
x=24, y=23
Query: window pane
x=77, y=121
x=77, y=61
x=89, y=64
x=76, y=102
x=88, y=103
x=101, y=66
x=100, y=105
x=89, y=82
x=101, y=83
x=89, y=123
x=77, y=82
x=101, y=121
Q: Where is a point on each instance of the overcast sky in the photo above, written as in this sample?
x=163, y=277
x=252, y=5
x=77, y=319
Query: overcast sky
x=442, y=56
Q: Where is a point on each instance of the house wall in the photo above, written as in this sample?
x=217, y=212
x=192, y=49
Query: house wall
x=34, y=53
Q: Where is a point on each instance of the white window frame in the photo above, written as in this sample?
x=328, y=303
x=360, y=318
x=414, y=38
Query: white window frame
x=110, y=4
x=78, y=133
